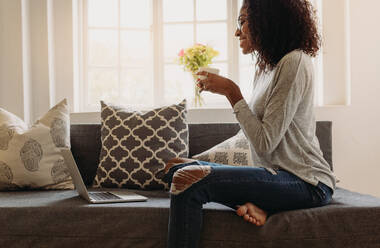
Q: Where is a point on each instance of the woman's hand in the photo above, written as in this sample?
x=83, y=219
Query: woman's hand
x=219, y=85
x=175, y=161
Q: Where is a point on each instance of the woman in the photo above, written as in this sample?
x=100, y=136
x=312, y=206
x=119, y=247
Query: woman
x=279, y=123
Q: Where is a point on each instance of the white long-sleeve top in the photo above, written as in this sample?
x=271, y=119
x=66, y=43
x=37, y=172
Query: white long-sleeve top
x=279, y=121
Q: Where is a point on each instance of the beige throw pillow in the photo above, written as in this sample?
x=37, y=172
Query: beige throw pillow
x=30, y=157
x=233, y=151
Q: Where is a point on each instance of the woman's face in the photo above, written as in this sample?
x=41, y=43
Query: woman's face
x=242, y=32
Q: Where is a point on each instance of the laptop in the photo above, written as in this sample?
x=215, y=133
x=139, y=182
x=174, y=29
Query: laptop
x=96, y=196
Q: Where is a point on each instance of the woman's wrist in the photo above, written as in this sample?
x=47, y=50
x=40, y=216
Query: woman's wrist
x=234, y=95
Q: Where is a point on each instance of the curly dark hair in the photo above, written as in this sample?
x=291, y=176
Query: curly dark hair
x=278, y=27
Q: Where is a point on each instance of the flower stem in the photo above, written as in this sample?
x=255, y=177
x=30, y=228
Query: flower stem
x=198, y=99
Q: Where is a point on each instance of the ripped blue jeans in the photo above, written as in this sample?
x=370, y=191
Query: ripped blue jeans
x=196, y=183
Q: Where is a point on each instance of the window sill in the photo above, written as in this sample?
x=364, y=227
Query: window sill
x=195, y=115
x=198, y=115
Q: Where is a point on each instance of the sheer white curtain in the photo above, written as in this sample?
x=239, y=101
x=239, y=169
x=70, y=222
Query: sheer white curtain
x=36, y=47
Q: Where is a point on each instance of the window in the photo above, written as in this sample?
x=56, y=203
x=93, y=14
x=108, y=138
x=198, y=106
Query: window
x=130, y=49
x=117, y=52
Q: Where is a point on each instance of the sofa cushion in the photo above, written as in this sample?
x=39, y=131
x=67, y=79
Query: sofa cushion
x=63, y=219
x=30, y=157
x=233, y=151
x=136, y=146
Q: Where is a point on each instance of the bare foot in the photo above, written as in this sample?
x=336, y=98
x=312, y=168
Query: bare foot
x=252, y=214
x=175, y=161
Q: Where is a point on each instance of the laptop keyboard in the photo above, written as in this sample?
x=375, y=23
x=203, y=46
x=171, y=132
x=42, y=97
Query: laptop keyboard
x=103, y=196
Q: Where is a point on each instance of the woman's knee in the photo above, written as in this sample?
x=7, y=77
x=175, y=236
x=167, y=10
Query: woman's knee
x=187, y=176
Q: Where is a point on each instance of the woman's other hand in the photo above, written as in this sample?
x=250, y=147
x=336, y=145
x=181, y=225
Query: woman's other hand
x=219, y=85
x=175, y=161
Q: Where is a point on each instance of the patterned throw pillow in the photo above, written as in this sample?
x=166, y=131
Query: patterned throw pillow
x=31, y=158
x=136, y=146
x=233, y=151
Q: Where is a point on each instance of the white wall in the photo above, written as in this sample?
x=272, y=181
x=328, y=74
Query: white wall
x=356, y=128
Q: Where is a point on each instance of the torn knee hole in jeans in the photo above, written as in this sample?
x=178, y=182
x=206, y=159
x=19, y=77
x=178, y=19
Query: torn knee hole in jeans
x=187, y=176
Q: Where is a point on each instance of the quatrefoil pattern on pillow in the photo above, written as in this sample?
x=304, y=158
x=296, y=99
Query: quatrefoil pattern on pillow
x=136, y=145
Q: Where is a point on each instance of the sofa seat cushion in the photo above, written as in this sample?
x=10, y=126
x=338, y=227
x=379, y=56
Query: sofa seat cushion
x=63, y=219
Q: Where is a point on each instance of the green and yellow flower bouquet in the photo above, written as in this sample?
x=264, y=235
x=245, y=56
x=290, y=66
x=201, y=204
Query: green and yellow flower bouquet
x=192, y=59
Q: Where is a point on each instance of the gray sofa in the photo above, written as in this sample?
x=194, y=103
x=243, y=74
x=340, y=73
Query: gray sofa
x=63, y=219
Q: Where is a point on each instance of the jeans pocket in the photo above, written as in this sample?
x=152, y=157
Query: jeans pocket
x=321, y=194
x=315, y=195
x=326, y=192
x=271, y=171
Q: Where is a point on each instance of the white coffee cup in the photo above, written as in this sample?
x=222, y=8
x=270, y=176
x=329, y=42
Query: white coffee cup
x=208, y=69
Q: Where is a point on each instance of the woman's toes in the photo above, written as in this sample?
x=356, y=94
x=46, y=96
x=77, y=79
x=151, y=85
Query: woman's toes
x=242, y=210
x=252, y=220
x=252, y=214
x=256, y=213
x=246, y=217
